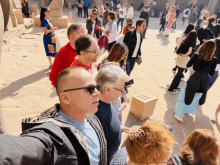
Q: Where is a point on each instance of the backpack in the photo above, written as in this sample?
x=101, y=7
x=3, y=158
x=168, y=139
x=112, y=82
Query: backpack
x=187, y=12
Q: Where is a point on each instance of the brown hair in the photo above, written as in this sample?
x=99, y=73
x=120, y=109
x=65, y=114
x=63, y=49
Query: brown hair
x=201, y=147
x=73, y=28
x=152, y=148
x=112, y=15
x=207, y=50
x=117, y=52
x=83, y=42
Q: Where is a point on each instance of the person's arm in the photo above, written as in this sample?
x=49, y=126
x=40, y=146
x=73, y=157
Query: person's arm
x=188, y=53
x=197, y=41
x=191, y=61
x=124, y=30
x=124, y=12
x=127, y=38
x=213, y=66
x=89, y=24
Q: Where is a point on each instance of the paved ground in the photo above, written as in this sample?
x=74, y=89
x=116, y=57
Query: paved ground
x=26, y=90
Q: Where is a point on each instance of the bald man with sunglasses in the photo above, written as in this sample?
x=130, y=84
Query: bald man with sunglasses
x=68, y=133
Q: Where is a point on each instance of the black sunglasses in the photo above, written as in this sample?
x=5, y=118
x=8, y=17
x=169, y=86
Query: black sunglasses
x=90, y=89
x=94, y=13
x=119, y=90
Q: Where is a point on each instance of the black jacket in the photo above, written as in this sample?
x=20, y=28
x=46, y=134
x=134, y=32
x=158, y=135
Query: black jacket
x=217, y=30
x=199, y=22
x=50, y=140
x=177, y=13
x=204, y=34
x=89, y=24
x=105, y=17
x=217, y=52
x=130, y=40
x=145, y=15
x=163, y=16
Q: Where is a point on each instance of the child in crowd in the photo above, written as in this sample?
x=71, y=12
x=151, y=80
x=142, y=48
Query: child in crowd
x=129, y=26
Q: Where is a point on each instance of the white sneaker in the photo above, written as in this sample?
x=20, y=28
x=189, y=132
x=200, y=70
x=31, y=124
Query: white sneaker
x=178, y=118
x=214, y=118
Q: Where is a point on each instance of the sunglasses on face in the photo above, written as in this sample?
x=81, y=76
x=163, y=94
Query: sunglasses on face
x=90, y=89
x=48, y=11
x=95, y=51
x=119, y=90
x=94, y=13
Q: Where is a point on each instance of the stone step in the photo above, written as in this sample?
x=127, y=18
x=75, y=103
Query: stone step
x=17, y=31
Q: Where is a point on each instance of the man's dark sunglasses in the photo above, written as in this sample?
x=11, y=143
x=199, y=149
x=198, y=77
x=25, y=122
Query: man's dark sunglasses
x=90, y=89
x=94, y=14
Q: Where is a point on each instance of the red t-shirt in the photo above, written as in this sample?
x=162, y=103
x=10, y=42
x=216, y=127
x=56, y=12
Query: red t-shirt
x=92, y=68
x=63, y=60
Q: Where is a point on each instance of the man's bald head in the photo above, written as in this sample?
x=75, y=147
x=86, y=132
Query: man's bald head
x=71, y=77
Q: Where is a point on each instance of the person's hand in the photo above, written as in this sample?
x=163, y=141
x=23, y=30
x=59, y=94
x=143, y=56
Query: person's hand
x=124, y=129
x=128, y=86
x=55, y=28
x=204, y=40
x=140, y=57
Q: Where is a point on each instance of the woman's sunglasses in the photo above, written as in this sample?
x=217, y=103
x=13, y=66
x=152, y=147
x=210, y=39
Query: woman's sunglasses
x=90, y=89
x=94, y=13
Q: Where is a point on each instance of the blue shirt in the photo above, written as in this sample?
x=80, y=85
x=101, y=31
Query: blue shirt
x=92, y=139
x=111, y=126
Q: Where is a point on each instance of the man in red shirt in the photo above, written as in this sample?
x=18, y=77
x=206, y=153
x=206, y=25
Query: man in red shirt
x=67, y=53
x=88, y=51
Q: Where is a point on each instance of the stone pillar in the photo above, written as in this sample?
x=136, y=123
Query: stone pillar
x=171, y=2
x=211, y=6
x=147, y=2
x=4, y=20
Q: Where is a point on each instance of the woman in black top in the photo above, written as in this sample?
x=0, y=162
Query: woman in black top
x=202, y=60
x=185, y=49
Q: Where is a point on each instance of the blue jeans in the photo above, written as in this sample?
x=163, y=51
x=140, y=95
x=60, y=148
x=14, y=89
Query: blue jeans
x=174, y=24
x=212, y=79
x=130, y=62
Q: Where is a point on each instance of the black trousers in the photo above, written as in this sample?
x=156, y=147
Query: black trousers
x=79, y=11
x=176, y=81
x=85, y=12
x=162, y=27
x=110, y=45
x=120, y=20
x=145, y=30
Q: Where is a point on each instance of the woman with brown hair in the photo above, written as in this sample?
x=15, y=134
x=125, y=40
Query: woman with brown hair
x=200, y=147
x=202, y=61
x=149, y=144
x=117, y=55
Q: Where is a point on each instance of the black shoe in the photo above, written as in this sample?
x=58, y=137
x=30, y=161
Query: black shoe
x=178, y=89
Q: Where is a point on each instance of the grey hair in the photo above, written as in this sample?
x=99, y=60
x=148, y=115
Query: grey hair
x=110, y=75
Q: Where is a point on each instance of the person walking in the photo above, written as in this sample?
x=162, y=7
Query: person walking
x=203, y=60
x=111, y=30
x=105, y=14
x=91, y=24
x=145, y=15
x=133, y=40
x=170, y=20
x=193, y=17
x=130, y=13
x=183, y=52
x=80, y=6
x=49, y=34
x=200, y=9
x=186, y=14
x=163, y=18
x=177, y=15
x=200, y=21
x=122, y=14
x=85, y=8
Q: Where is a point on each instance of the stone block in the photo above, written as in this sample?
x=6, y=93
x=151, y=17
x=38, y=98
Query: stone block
x=34, y=8
x=16, y=4
x=56, y=8
x=60, y=22
x=57, y=22
x=19, y=16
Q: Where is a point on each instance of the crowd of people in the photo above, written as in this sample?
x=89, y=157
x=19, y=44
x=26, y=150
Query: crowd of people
x=85, y=127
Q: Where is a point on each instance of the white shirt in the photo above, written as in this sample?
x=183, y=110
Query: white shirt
x=217, y=67
x=112, y=36
x=137, y=45
x=185, y=15
x=203, y=11
x=93, y=28
x=118, y=6
x=122, y=12
x=130, y=13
